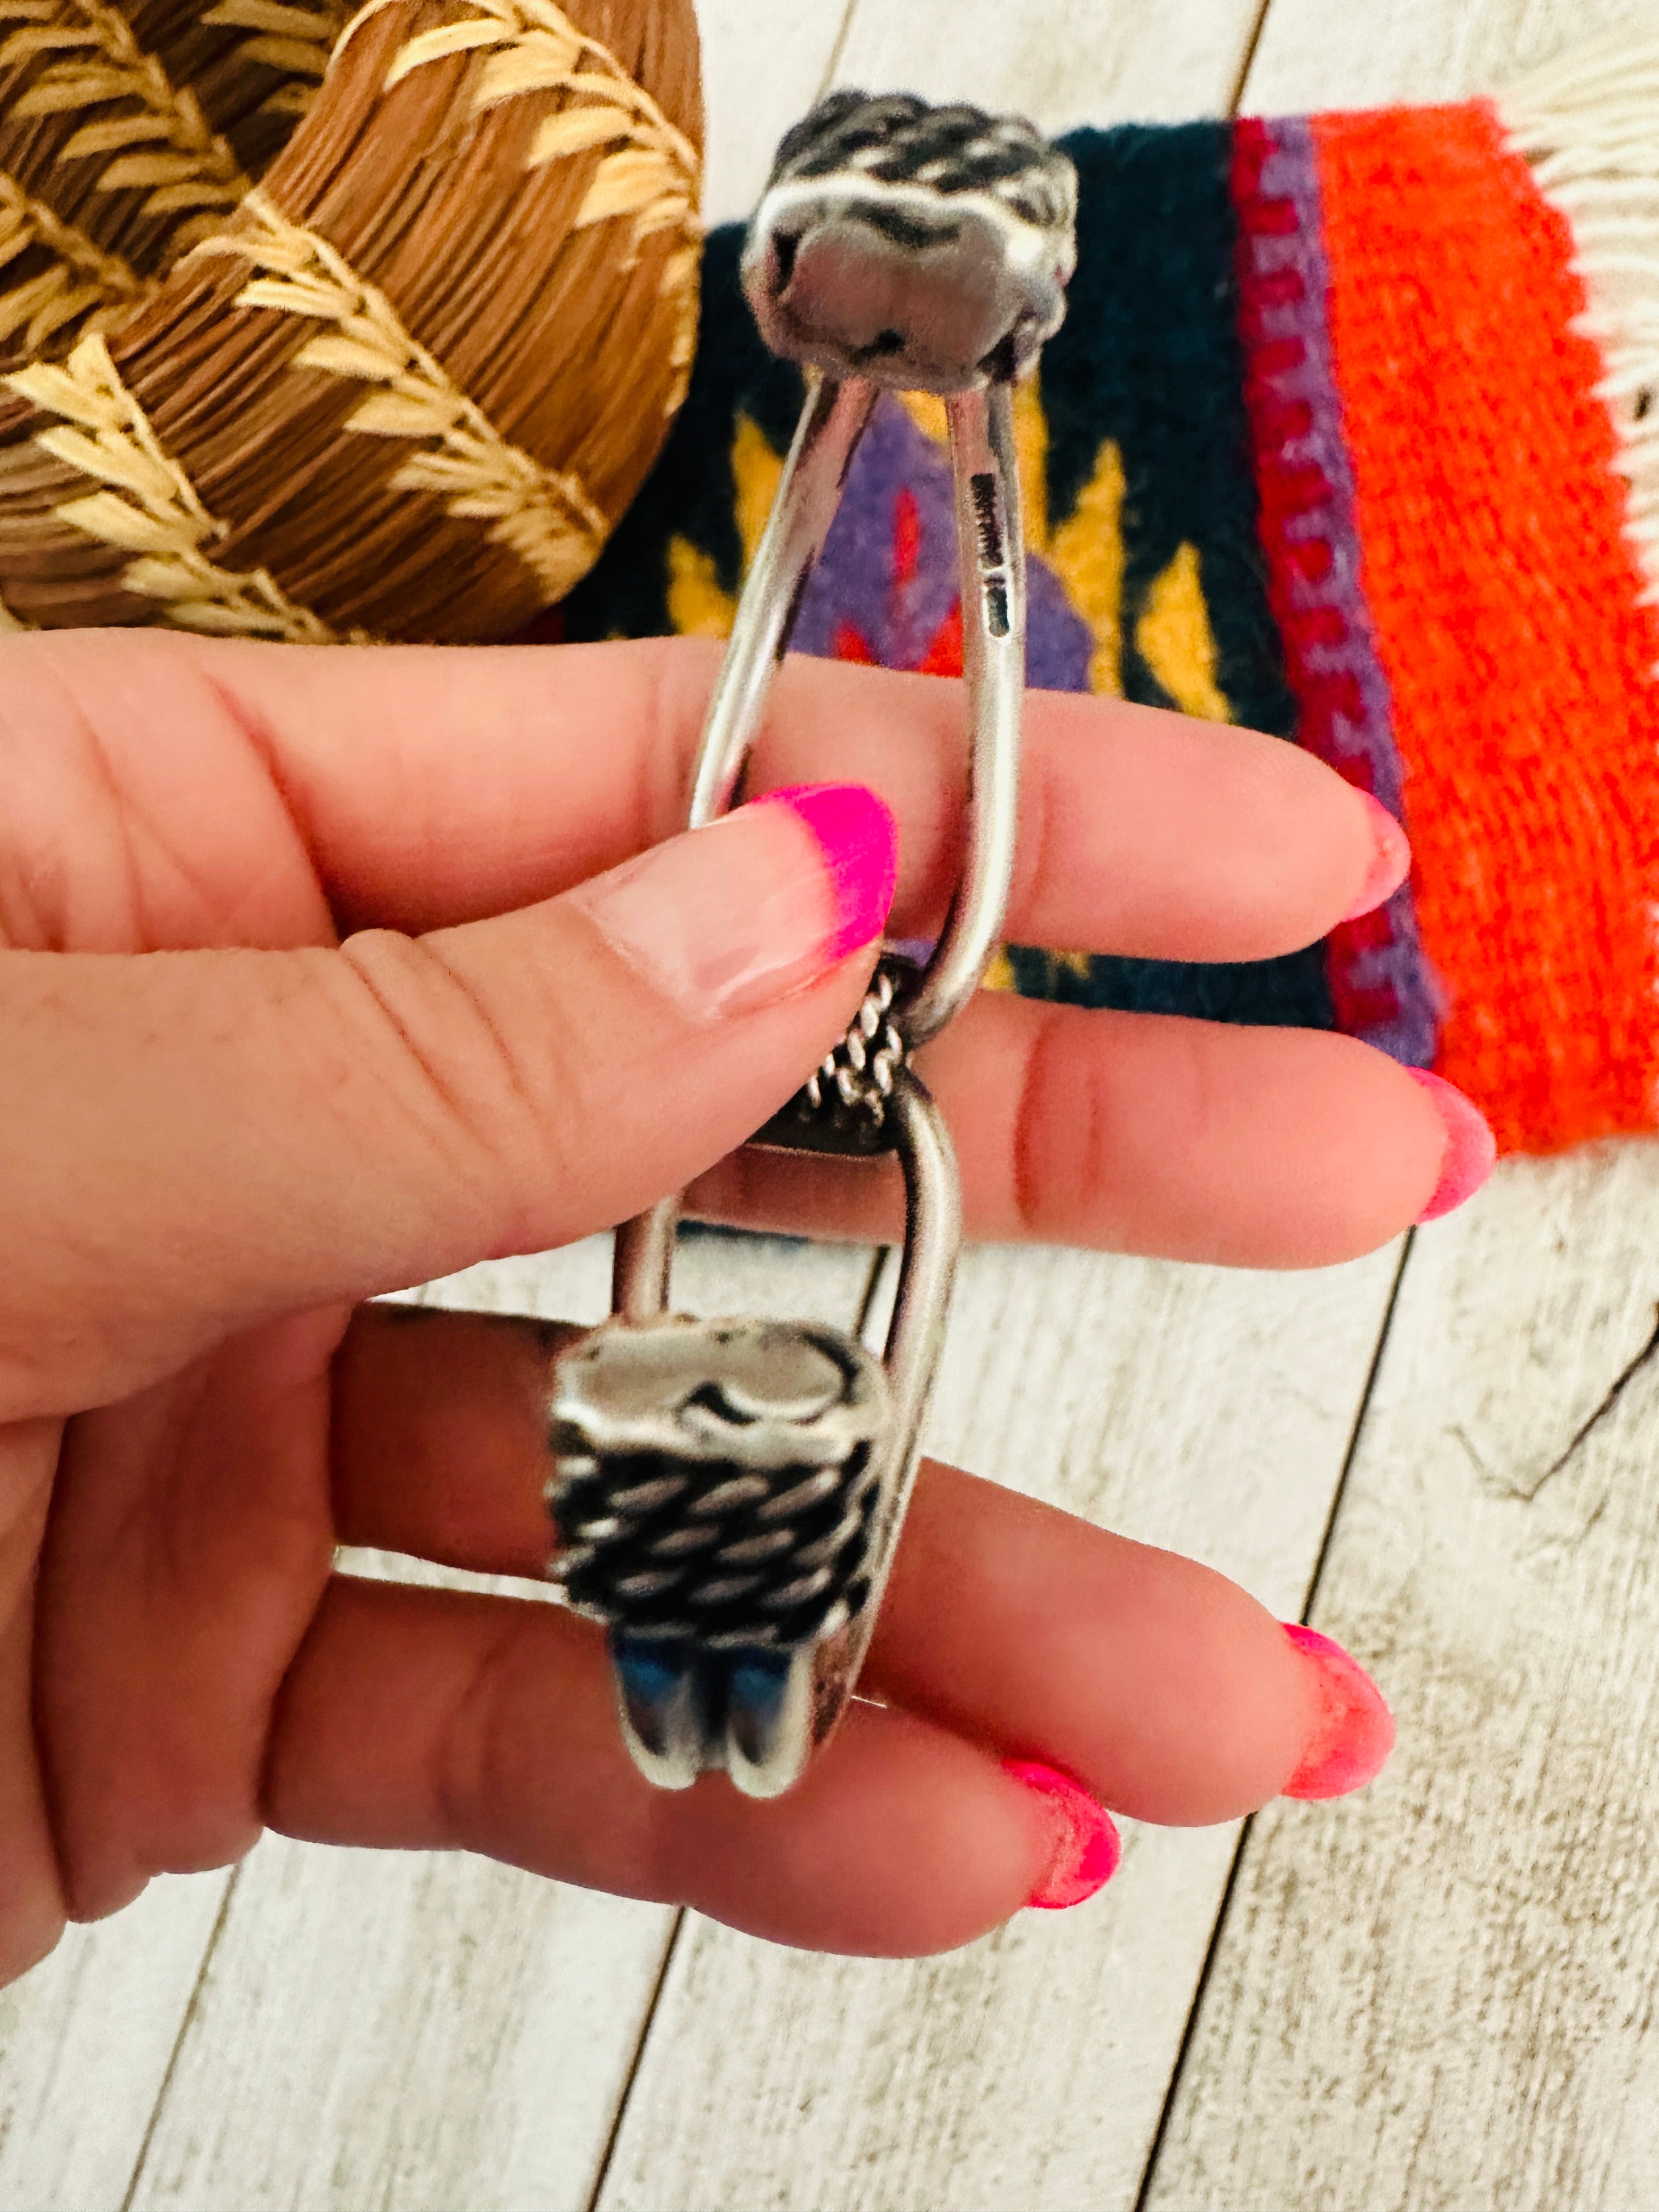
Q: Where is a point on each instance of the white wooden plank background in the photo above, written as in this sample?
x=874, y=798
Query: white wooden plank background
x=763, y=67
x=772, y=2080
x=84, y=2044
x=1312, y=55
x=1443, y=1993
x=1439, y=1996
x=1029, y=2071
x=1062, y=61
x=432, y=2031
x=404, y=2029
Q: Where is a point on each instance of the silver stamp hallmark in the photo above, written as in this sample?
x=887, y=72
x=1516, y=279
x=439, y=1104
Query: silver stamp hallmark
x=727, y=1495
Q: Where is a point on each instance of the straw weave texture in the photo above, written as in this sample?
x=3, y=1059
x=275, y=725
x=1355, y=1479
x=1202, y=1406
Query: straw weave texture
x=317, y=329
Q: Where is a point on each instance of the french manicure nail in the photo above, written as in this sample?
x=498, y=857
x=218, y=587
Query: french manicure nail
x=859, y=840
x=1354, y=1733
x=1471, y=1148
x=758, y=904
x=1086, y=1844
x=1391, y=860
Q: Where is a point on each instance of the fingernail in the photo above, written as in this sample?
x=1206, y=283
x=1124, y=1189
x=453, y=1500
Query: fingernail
x=1354, y=1733
x=1391, y=860
x=1086, y=1847
x=739, y=915
x=859, y=840
x=1471, y=1148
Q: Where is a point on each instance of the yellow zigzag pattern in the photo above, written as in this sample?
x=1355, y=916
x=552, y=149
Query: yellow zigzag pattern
x=149, y=508
x=546, y=517
x=82, y=281
x=1173, y=634
x=162, y=144
x=649, y=176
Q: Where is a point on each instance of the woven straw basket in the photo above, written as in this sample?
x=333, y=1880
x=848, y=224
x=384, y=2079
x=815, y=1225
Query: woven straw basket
x=313, y=328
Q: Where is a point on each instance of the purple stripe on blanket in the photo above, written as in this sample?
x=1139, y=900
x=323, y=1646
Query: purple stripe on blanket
x=1379, y=973
x=885, y=586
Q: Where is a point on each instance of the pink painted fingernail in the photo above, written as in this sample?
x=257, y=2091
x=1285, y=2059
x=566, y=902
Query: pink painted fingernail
x=859, y=840
x=736, y=916
x=1391, y=860
x=1086, y=1847
x=1471, y=1148
x=1354, y=1733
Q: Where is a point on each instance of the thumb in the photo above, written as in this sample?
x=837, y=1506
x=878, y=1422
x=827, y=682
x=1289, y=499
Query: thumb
x=193, y=1141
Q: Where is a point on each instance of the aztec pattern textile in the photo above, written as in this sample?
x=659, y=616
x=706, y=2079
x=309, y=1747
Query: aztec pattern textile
x=1352, y=436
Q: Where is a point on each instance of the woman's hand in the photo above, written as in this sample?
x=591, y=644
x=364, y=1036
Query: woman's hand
x=309, y=992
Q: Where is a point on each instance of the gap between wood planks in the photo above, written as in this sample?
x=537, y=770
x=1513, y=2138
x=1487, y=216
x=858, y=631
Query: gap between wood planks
x=869, y=1298
x=602, y=2172
x=1235, y=97
x=1172, y=2091
x=186, y=2021
x=833, y=64
x=882, y=1258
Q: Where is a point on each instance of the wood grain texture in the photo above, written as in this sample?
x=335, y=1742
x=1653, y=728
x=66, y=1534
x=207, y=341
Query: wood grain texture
x=85, y=2041
x=1441, y=1993
x=403, y=2029
x=426, y=2031
x=1199, y=1409
x=1313, y=55
x=1061, y=62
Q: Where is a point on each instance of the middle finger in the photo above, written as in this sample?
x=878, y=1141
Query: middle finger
x=1136, y=1132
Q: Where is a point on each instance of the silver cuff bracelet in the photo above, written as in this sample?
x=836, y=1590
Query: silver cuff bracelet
x=726, y=1496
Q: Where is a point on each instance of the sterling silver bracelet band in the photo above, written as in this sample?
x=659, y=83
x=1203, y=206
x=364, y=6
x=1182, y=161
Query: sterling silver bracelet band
x=726, y=1496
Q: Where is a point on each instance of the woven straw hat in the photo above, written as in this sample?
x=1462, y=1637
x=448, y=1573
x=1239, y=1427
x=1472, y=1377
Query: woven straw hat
x=313, y=328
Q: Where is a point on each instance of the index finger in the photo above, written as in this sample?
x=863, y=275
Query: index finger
x=434, y=786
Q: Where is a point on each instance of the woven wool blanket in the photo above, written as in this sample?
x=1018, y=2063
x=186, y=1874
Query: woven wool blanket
x=1352, y=435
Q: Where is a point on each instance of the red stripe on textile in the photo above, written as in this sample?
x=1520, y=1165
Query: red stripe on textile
x=1381, y=988
x=1506, y=605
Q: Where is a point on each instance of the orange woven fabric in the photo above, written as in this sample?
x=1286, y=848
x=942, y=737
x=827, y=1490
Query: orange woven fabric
x=1506, y=603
